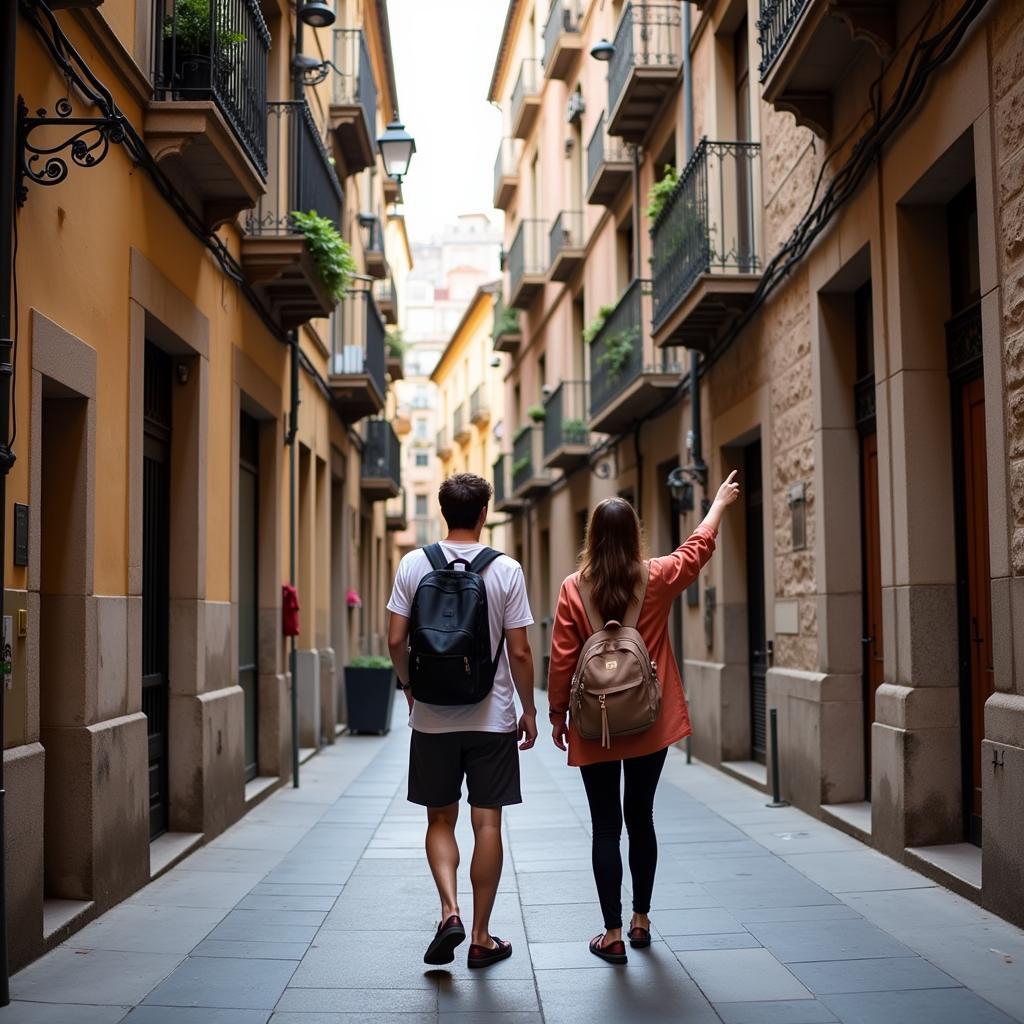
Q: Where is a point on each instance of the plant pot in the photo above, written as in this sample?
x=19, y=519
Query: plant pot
x=189, y=74
x=369, y=694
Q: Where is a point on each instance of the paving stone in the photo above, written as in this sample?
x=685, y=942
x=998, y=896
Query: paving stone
x=549, y=956
x=297, y=889
x=52, y=1013
x=796, y=1011
x=252, y=950
x=803, y=941
x=246, y=836
x=97, y=976
x=351, y=1018
x=241, y=931
x=883, y=974
x=226, y=858
x=291, y=918
x=826, y=912
x=930, y=1006
x=749, y=894
x=396, y=961
x=211, y=889
x=195, y=1015
x=694, y=922
x=263, y=901
x=857, y=871
x=578, y=922
x=548, y=888
x=224, y=982
x=521, y=1017
x=737, y=975
x=729, y=940
x=359, y=1000
x=138, y=928
x=462, y=995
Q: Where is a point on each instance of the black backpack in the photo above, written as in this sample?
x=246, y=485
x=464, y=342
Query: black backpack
x=449, y=633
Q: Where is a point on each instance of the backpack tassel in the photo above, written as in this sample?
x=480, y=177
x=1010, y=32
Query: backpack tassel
x=606, y=739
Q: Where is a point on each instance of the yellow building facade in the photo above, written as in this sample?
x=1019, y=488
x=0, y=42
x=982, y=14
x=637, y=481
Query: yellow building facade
x=202, y=418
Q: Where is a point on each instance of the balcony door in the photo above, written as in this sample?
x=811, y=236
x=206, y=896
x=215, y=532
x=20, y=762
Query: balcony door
x=156, y=475
x=248, y=581
x=744, y=177
x=756, y=630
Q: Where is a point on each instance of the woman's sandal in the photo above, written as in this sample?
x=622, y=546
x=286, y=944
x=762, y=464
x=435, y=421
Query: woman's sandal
x=639, y=938
x=613, y=953
x=483, y=956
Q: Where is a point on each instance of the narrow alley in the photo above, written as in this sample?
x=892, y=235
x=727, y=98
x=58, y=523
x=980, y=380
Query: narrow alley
x=316, y=908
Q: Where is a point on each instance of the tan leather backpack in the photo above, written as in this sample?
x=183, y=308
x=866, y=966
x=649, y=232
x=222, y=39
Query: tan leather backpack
x=615, y=688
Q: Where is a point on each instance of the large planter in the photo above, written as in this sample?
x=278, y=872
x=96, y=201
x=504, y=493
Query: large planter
x=369, y=694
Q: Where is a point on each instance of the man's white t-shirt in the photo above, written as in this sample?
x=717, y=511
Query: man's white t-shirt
x=507, y=608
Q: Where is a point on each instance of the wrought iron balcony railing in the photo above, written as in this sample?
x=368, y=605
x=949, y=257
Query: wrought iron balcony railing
x=528, y=472
x=563, y=16
x=527, y=87
x=359, y=343
x=526, y=256
x=505, y=172
x=649, y=35
x=217, y=51
x=565, y=233
x=382, y=453
x=354, y=85
x=443, y=444
x=617, y=353
x=460, y=425
x=565, y=416
x=479, y=410
x=502, y=480
x=300, y=176
x=774, y=26
x=603, y=149
x=707, y=224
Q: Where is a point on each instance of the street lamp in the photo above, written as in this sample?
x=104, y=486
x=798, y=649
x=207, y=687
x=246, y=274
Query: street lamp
x=316, y=14
x=396, y=147
x=603, y=51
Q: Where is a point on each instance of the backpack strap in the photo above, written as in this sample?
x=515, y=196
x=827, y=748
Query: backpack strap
x=436, y=557
x=587, y=595
x=632, y=615
x=483, y=559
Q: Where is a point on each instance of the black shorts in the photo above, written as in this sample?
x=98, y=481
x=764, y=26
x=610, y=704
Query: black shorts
x=489, y=761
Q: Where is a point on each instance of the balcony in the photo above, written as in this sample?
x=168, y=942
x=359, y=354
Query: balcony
x=529, y=477
x=275, y=254
x=566, y=433
x=402, y=421
x=526, y=264
x=566, y=246
x=705, y=261
x=644, y=68
x=506, y=174
x=396, y=517
x=508, y=335
x=357, y=372
x=609, y=166
x=504, y=500
x=562, y=39
x=808, y=47
x=353, y=102
x=628, y=379
x=479, y=410
x=461, y=429
x=444, y=444
x=387, y=299
x=207, y=122
x=394, y=361
x=373, y=249
x=526, y=98
x=380, y=475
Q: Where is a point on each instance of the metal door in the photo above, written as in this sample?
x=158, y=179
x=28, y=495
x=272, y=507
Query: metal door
x=156, y=411
x=755, y=598
x=248, y=582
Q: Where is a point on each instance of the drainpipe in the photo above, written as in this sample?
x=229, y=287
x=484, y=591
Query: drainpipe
x=293, y=428
x=687, y=85
x=636, y=210
x=8, y=29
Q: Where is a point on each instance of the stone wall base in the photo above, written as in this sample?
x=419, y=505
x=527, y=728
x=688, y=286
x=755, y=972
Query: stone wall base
x=719, y=701
x=24, y=774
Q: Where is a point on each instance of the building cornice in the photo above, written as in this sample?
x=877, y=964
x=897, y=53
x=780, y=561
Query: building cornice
x=504, y=48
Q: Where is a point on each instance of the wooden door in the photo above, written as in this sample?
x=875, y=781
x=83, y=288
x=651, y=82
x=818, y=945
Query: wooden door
x=977, y=672
x=871, y=638
x=757, y=633
x=156, y=459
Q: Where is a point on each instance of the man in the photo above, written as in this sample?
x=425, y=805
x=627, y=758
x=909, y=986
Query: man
x=477, y=741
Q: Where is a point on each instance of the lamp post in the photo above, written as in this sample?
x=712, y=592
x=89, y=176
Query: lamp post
x=396, y=147
x=315, y=14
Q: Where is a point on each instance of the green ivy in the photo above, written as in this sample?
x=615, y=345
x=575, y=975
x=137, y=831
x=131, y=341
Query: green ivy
x=593, y=329
x=508, y=322
x=660, y=191
x=618, y=350
x=370, y=661
x=331, y=252
x=536, y=413
x=397, y=345
x=575, y=431
x=192, y=19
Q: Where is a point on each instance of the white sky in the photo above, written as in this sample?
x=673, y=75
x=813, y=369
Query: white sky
x=444, y=53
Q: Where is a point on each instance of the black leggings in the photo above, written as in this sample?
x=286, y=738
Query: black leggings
x=607, y=810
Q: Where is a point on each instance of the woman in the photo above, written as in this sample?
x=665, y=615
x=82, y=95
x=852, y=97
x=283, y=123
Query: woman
x=611, y=572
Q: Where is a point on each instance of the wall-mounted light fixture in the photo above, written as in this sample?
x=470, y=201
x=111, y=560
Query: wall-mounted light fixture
x=603, y=50
x=316, y=14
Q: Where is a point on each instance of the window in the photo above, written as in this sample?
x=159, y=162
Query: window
x=420, y=428
x=421, y=504
x=422, y=459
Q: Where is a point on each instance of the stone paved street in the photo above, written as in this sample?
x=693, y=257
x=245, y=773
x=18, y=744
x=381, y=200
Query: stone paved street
x=317, y=906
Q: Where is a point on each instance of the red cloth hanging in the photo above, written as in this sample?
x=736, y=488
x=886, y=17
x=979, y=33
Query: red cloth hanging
x=289, y=610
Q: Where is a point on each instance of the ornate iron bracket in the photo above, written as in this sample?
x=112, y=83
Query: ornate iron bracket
x=88, y=144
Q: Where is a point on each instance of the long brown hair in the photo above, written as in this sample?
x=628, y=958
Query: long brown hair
x=611, y=557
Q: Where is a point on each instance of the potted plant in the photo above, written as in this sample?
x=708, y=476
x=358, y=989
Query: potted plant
x=618, y=350
x=574, y=431
x=332, y=254
x=536, y=413
x=369, y=694
x=593, y=329
x=192, y=41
